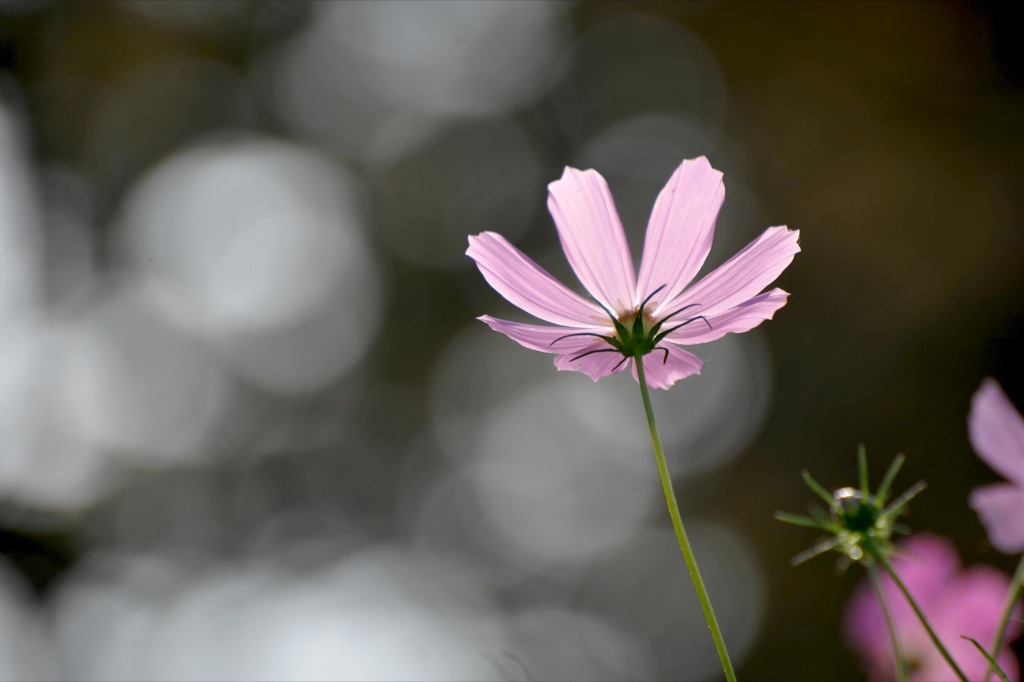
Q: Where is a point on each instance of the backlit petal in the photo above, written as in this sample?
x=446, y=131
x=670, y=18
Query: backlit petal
x=742, y=318
x=546, y=339
x=681, y=229
x=997, y=432
x=744, y=275
x=1001, y=510
x=602, y=361
x=592, y=237
x=664, y=369
x=527, y=285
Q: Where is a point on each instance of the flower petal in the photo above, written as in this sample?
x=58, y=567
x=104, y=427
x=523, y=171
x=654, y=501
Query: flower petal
x=527, y=285
x=602, y=361
x=971, y=606
x=592, y=237
x=662, y=369
x=546, y=339
x=1001, y=510
x=681, y=229
x=744, y=275
x=742, y=318
x=997, y=431
x=568, y=348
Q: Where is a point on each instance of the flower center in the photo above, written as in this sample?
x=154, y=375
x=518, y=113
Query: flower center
x=638, y=333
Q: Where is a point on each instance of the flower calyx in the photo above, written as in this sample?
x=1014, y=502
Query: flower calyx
x=637, y=333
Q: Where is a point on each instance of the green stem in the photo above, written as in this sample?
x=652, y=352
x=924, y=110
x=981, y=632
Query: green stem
x=677, y=523
x=1016, y=587
x=878, y=555
x=894, y=638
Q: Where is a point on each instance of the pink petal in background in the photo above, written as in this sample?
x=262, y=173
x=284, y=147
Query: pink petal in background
x=1001, y=509
x=956, y=603
x=997, y=431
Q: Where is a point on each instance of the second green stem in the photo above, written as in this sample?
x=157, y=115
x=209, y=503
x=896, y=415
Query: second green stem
x=1004, y=621
x=894, y=637
x=879, y=555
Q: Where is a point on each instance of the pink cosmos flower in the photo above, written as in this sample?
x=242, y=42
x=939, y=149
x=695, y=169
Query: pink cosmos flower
x=997, y=433
x=956, y=602
x=650, y=315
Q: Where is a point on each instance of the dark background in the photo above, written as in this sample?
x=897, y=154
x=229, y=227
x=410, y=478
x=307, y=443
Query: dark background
x=247, y=418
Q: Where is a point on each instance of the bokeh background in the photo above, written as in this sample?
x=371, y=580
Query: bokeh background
x=249, y=428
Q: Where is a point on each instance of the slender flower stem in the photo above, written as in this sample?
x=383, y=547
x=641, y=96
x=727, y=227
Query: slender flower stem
x=878, y=555
x=677, y=523
x=1016, y=587
x=894, y=638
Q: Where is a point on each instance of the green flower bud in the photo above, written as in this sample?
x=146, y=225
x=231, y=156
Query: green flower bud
x=859, y=522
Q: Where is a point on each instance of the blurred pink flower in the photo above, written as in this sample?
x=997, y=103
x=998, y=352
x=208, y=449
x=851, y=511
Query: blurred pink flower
x=997, y=433
x=652, y=314
x=957, y=602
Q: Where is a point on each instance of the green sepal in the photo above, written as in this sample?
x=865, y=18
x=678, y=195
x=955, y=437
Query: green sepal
x=818, y=488
x=805, y=521
x=993, y=664
x=890, y=476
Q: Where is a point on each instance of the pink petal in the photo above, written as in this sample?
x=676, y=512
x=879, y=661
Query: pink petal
x=742, y=318
x=596, y=365
x=1001, y=509
x=971, y=606
x=926, y=563
x=528, y=286
x=662, y=370
x=568, y=348
x=592, y=237
x=545, y=339
x=744, y=275
x=681, y=229
x=997, y=431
